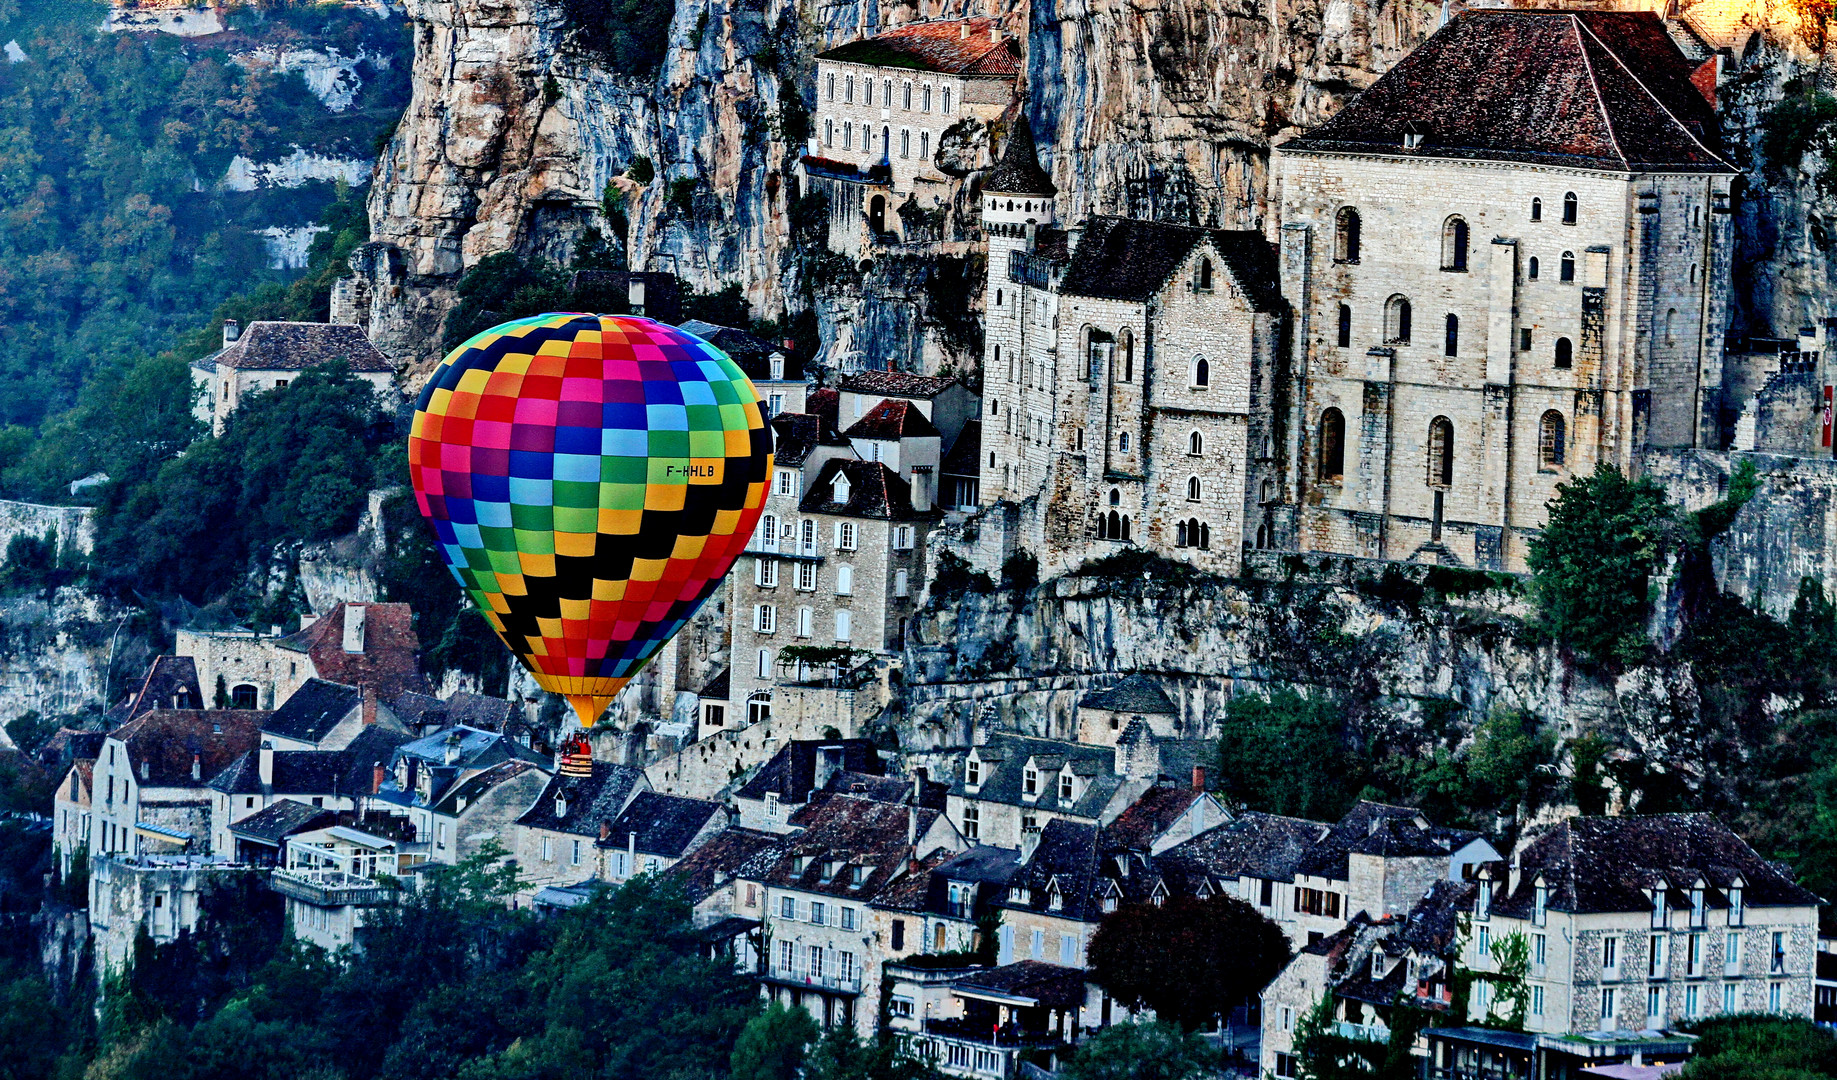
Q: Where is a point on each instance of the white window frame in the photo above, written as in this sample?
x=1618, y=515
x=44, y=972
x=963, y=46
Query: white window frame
x=765, y=619
x=806, y=576
x=765, y=573
x=845, y=626
x=845, y=580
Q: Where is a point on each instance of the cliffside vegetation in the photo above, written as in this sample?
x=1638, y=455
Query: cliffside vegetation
x=116, y=240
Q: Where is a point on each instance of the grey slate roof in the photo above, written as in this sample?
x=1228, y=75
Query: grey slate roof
x=1258, y=845
x=296, y=772
x=476, y=786
x=1019, y=172
x=1129, y=259
x=874, y=491
x=313, y=710
x=1587, y=89
x=1135, y=693
x=1004, y=760
x=281, y=819
x=590, y=799
x=1600, y=864
x=728, y=854
x=896, y=384
x=750, y=353
x=842, y=832
x=791, y=773
x=293, y=346
x=1081, y=864
x=659, y=824
x=1371, y=828
x=1051, y=986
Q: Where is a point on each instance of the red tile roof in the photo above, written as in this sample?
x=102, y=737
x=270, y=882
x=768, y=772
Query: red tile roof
x=162, y=744
x=389, y=663
x=954, y=47
x=1595, y=89
x=895, y=384
x=291, y=346
x=892, y=419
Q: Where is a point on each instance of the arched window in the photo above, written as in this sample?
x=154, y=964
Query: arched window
x=1397, y=321
x=1551, y=438
x=1192, y=489
x=927, y=98
x=1127, y=343
x=886, y=93
x=1537, y=209
x=1180, y=534
x=1567, y=267
x=886, y=141
x=1202, y=372
x=1454, y=245
x=1671, y=318
x=1204, y=531
x=1441, y=452
x=1451, y=336
x=905, y=143
x=832, y=87
x=1565, y=353
x=1531, y=269
x=848, y=93
x=1122, y=442
x=924, y=144
x=829, y=131
x=1204, y=281
x=998, y=304
x=1345, y=327
x=907, y=96
x=1196, y=444
x=1103, y=526
x=946, y=102
x=848, y=136
x=994, y=407
x=1116, y=525
x=1125, y=533
x=1116, y=497
x=1332, y=444
x=243, y=696
x=1569, y=208
x=1346, y=236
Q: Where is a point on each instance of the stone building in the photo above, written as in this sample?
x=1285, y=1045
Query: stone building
x=269, y=355
x=557, y=833
x=333, y=877
x=149, y=789
x=423, y=780
x=655, y=832
x=886, y=108
x=1508, y=259
x=366, y=645
x=1129, y=373
x=1641, y=924
x=163, y=895
x=1013, y=786
x=336, y=780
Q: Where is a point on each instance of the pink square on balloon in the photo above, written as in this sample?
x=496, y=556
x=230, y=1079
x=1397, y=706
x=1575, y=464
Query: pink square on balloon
x=624, y=370
x=533, y=410
x=455, y=457
x=491, y=434
x=580, y=389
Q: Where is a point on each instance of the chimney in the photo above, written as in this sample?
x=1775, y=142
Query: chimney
x=918, y=790
x=1199, y=778
x=921, y=488
x=264, y=762
x=197, y=767
x=631, y=851
x=1030, y=839
x=232, y=330
x=354, y=628
x=376, y=777
x=963, y=29
x=912, y=828
x=634, y=294
x=995, y=32
x=452, y=747
x=369, y=705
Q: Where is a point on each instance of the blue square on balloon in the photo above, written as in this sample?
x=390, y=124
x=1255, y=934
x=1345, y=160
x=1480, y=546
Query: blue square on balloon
x=491, y=488
x=625, y=442
x=622, y=415
x=493, y=514
x=533, y=466
x=579, y=440
x=663, y=392
x=667, y=418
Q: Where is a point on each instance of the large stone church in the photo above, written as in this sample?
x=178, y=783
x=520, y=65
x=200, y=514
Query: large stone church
x=1503, y=262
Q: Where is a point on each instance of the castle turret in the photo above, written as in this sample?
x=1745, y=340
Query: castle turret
x=1017, y=193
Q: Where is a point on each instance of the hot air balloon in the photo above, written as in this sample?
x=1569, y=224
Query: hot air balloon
x=590, y=480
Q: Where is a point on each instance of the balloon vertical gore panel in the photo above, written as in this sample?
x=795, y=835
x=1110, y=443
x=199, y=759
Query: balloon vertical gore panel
x=590, y=480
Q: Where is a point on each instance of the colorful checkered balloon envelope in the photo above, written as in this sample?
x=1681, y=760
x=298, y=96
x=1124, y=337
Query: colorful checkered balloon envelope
x=590, y=479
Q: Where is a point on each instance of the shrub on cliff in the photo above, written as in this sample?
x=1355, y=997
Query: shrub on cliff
x=1287, y=754
x=630, y=36
x=1592, y=565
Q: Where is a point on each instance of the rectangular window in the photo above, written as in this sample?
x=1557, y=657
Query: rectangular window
x=1524, y=339
x=807, y=538
x=1068, y=951
x=1539, y=949
x=1039, y=944
x=765, y=573
x=1537, y=1001
x=1608, y=1002
x=1728, y=997
x=819, y=913
x=1285, y=1066
x=1693, y=1005
x=902, y=538
x=899, y=935
x=786, y=482
x=845, y=535
x=573, y=856
x=1731, y=954
x=1655, y=1002
x=816, y=961
x=787, y=907
x=844, y=629
x=1774, y=994
x=767, y=619
x=1288, y=1018
x=902, y=583
x=845, y=966
x=845, y=580
x=1610, y=956
x=1655, y=958
x=1779, y=952
x=848, y=918
x=1693, y=954
x=548, y=854
x=806, y=576
x=1483, y=943
x=1266, y=893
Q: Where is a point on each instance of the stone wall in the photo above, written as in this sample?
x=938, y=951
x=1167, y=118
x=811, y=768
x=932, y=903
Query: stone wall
x=74, y=526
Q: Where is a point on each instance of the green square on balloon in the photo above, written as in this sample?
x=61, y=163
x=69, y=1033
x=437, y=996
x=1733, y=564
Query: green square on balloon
x=578, y=519
x=536, y=541
x=531, y=519
x=725, y=393
x=623, y=496
x=576, y=493
x=669, y=444
x=506, y=562
x=708, y=442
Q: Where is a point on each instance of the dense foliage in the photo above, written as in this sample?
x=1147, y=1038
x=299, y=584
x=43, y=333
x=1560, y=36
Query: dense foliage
x=115, y=238
x=1762, y=1048
x=1187, y=959
x=1142, y=1050
x=1592, y=565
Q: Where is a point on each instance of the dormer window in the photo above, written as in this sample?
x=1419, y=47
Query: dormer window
x=860, y=876
x=830, y=866
x=1659, y=910
x=841, y=488
x=1055, y=900
x=1377, y=965
x=1030, y=781
x=1109, y=903
x=972, y=773
x=1065, y=787
x=803, y=862
x=1698, y=908
x=1735, y=913
x=1483, y=902
x=1540, y=904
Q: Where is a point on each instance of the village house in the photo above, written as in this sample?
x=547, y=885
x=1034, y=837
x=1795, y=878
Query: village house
x=483, y=809
x=148, y=788
x=1130, y=375
x=261, y=838
x=1013, y=786
x=655, y=831
x=724, y=880
x=983, y=1023
x=944, y=899
x=803, y=767
x=824, y=942
x=1633, y=927
x=1487, y=305
x=367, y=645
x=557, y=834
x=334, y=876
x=323, y=715
x=269, y=355
x=329, y=779
x=422, y=781
x=1366, y=971
x=885, y=107
x=161, y=896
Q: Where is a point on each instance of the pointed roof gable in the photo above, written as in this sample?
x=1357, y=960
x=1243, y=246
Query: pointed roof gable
x=892, y=419
x=1019, y=172
x=1131, y=259
x=1589, y=89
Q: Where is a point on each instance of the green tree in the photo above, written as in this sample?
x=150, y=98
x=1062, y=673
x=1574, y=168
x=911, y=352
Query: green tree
x=842, y=1055
x=772, y=1045
x=1188, y=959
x=1592, y=563
x=1287, y=754
x=1750, y=1047
x=1140, y=1050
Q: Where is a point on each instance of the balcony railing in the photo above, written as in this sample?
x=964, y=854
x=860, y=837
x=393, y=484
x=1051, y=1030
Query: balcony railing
x=330, y=888
x=983, y=1034
x=847, y=984
x=1369, y=1032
